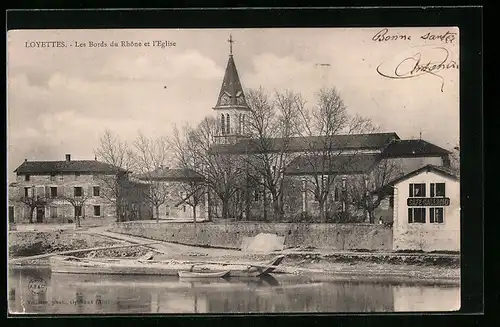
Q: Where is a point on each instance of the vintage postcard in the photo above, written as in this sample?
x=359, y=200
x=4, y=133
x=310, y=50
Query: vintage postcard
x=233, y=170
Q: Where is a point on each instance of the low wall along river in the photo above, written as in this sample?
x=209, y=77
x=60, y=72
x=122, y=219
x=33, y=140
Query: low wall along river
x=230, y=235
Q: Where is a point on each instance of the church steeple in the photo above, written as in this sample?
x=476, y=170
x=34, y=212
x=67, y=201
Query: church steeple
x=231, y=93
x=231, y=107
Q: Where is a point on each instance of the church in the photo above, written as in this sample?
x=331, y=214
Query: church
x=360, y=159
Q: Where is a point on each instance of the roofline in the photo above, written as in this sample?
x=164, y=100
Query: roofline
x=232, y=106
x=356, y=172
x=416, y=172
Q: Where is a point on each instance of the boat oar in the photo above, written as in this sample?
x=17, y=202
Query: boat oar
x=41, y=256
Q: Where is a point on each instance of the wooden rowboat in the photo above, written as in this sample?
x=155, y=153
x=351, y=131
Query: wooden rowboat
x=74, y=265
x=203, y=274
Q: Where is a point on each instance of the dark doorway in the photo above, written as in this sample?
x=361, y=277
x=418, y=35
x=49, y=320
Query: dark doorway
x=11, y=215
x=40, y=214
x=78, y=211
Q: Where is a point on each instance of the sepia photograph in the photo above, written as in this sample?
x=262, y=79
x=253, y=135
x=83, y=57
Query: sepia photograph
x=244, y=170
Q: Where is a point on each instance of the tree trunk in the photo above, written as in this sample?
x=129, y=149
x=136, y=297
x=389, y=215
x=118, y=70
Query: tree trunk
x=371, y=216
x=322, y=215
x=157, y=213
x=277, y=208
x=225, y=208
x=194, y=219
x=31, y=215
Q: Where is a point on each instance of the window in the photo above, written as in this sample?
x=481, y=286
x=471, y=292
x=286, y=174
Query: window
x=26, y=192
x=53, y=192
x=437, y=190
x=243, y=123
x=184, y=208
x=77, y=176
x=256, y=195
x=391, y=201
x=167, y=210
x=78, y=191
x=78, y=211
x=222, y=124
x=436, y=215
x=417, y=190
x=27, y=178
x=416, y=215
x=97, y=211
x=228, y=124
x=336, y=194
x=97, y=191
x=52, y=177
x=53, y=212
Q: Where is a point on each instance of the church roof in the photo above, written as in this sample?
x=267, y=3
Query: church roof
x=336, y=165
x=412, y=148
x=373, y=141
x=231, y=93
x=168, y=174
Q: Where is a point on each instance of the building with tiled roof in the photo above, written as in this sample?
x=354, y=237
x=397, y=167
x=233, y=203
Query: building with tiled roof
x=56, y=191
x=176, y=193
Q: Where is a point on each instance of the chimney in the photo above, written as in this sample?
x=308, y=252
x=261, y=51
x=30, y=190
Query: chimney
x=68, y=157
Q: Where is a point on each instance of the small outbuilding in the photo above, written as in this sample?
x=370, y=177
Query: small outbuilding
x=425, y=207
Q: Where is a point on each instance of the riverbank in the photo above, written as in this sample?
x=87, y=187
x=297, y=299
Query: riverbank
x=425, y=267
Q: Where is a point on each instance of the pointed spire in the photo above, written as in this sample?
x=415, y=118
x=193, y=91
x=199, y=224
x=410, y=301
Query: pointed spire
x=231, y=92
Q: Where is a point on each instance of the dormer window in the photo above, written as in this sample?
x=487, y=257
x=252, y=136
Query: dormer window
x=27, y=178
x=52, y=177
x=77, y=176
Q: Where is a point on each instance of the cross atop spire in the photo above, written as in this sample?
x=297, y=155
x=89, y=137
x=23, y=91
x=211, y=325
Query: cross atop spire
x=230, y=40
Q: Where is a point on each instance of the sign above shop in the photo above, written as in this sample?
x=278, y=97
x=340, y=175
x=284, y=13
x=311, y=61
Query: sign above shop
x=428, y=202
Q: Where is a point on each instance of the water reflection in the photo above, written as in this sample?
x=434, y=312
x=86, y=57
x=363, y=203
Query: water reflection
x=87, y=294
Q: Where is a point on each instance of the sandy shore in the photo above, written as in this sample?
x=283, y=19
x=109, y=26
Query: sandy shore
x=341, y=265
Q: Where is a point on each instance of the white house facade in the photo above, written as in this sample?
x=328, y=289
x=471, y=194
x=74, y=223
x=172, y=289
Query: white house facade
x=426, y=211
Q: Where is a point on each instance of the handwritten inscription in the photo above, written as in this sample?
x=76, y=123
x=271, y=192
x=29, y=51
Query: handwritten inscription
x=384, y=35
x=447, y=37
x=419, y=64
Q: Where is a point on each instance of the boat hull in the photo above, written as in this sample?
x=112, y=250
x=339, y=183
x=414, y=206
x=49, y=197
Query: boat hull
x=72, y=265
x=59, y=265
x=197, y=275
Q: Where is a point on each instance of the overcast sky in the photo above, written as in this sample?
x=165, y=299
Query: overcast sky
x=61, y=99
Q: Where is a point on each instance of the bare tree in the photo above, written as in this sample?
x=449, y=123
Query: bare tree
x=114, y=151
x=33, y=201
x=455, y=160
x=77, y=199
x=150, y=158
x=222, y=173
x=321, y=125
x=366, y=192
x=193, y=187
x=271, y=124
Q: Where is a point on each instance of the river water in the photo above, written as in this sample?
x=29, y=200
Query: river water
x=37, y=291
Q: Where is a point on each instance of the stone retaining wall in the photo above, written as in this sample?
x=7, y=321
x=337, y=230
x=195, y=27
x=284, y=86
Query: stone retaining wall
x=231, y=234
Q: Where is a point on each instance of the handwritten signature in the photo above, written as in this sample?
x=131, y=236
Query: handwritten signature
x=415, y=66
x=384, y=35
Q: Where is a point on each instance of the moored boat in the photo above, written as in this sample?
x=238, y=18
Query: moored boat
x=74, y=265
x=203, y=274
